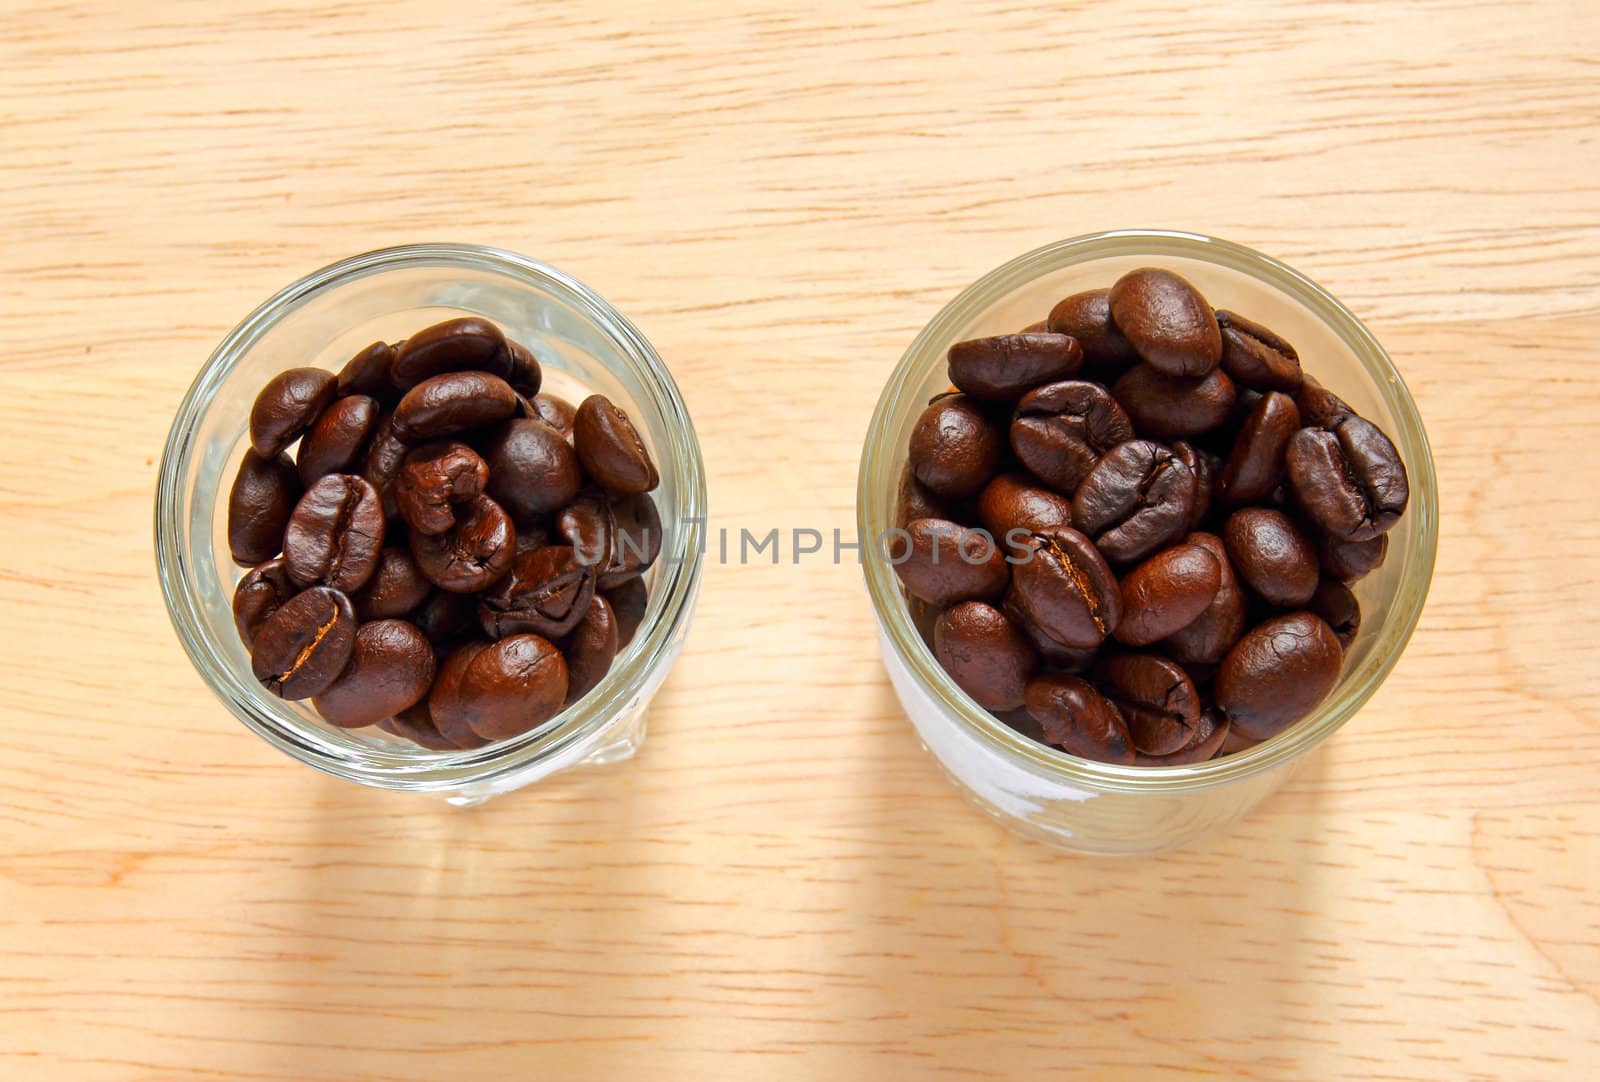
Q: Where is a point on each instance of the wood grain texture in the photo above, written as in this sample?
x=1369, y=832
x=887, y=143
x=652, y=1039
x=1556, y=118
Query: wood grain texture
x=782, y=885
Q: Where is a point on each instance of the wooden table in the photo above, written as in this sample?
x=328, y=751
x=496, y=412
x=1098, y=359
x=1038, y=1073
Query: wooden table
x=782, y=885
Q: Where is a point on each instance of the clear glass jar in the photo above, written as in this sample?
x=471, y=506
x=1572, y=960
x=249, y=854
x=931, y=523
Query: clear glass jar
x=585, y=345
x=1094, y=807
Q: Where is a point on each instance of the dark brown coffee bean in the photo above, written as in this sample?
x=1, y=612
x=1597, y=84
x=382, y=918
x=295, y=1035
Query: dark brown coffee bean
x=1234, y=743
x=533, y=471
x=1349, y=561
x=391, y=668
x=395, y=588
x=369, y=373
x=610, y=448
x=1163, y=406
x=471, y=555
x=527, y=376
x=1205, y=467
x=556, y=412
x=1256, y=466
x=259, y=594
x=335, y=533
x=1278, y=673
x=1062, y=429
x=1255, y=357
x=591, y=648
x=306, y=644
x=435, y=478
x=1169, y=323
x=456, y=345
x=619, y=535
x=259, y=505
x=1320, y=407
x=1078, y=719
x=955, y=448
x=1349, y=480
x=942, y=562
x=547, y=593
x=386, y=455
x=1064, y=588
x=1087, y=317
x=1007, y=366
x=445, y=699
x=1206, y=639
x=288, y=405
x=416, y=726
x=511, y=687
x=1272, y=557
x=337, y=443
x=1156, y=698
x=1013, y=508
x=1207, y=739
x=1137, y=499
x=446, y=617
x=1339, y=609
x=913, y=500
x=452, y=403
x=629, y=602
x=1166, y=593
x=985, y=654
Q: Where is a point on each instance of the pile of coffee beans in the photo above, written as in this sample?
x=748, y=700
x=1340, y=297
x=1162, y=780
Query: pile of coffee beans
x=1132, y=527
x=448, y=554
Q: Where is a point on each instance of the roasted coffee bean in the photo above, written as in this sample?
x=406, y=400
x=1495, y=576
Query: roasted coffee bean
x=446, y=617
x=456, y=345
x=1339, y=609
x=547, y=593
x=510, y=687
x=386, y=456
x=913, y=500
x=1013, y=508
x=369, y=373
x=1064, y=588
x=337, y=443
x=471, y=555
x=527, y=375
x=335, y=533
x=305, y=645
x=629, y=602
x=1349, y=561
x=1205, y=468
x=288, y=405
x=955, y=448
x=259, y=594
x=590, y=649
x=391, y=668
x=1137, y=499
x=445, y=699
x=554, y=411
x=610, y=448
x=1166, y=593
x=259, y=505
x=395, y=588
x=1320, y=407
x=619, y=535
x=1007, y=366
x=450, y=404
x=533, y=471
x=1256, y=466
x=1278, y=673
x=1162, y=406
x=1156, y=698
x=1087, y=317
x=1235, y=742
x=435, y=478
x=1255, y=357
x=1272, y=557
x=1062, y=429
x=1350, y=480
x=1168, y=322
x=943, y=562
x=985, y=654
x=1078, y=719
x=1206, y=639
x=416, y=726
x=1203, y=744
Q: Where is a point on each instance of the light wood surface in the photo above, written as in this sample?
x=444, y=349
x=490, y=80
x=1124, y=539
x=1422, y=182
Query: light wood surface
x=782, y=885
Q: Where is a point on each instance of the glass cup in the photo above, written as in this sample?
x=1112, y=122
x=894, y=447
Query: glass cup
x=1093, y=807
x=584, y=345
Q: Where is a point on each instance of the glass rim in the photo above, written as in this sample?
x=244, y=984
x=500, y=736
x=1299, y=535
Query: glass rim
x=680, y=561
x=875, y=479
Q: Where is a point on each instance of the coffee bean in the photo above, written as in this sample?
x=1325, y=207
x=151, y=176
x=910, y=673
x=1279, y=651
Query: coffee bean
x=913, y=500
x=1166, y=593
x=1350, y=480
x=391, y=668
x=456, y=345
x=1320, y=407
x=1256, y=357
x=369, y=373
x=1078, y=719
x=1137, y=499
x=533, y=471
x=1205, y=467
x=259, y=594
x=1272, y=557
x=619, y=535
x=1013, y=508
x=335, y=533
x=943, y=562
x=395, y=588
x=1156, y=698
x=1064, y=588
x=527, y=376
x=452, y=403
x=628, y=602
x=1235, y=742
x=1162, y=406
x=470, y=555
x=1062, y=429
x=386, y=455
x=288, y=405
x=446, y=617
x=416, y=726
x=1349, y=561
x=1339, y=609
x=547, y=593
x=1086, y=316
x=1007, y=366
x=1206, y=639
x=610, y=448
x=511, y=687
x=556, y=412
x=955, y=448
x=259, y=505
x=590, y=649
x=1168, y=322
x=984, y=653
x=446, y=708
x=305, y=645
x=1256, y=466
x=1208, y=737
x=1278, y=673
x=337, y=443
x=435, y=478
